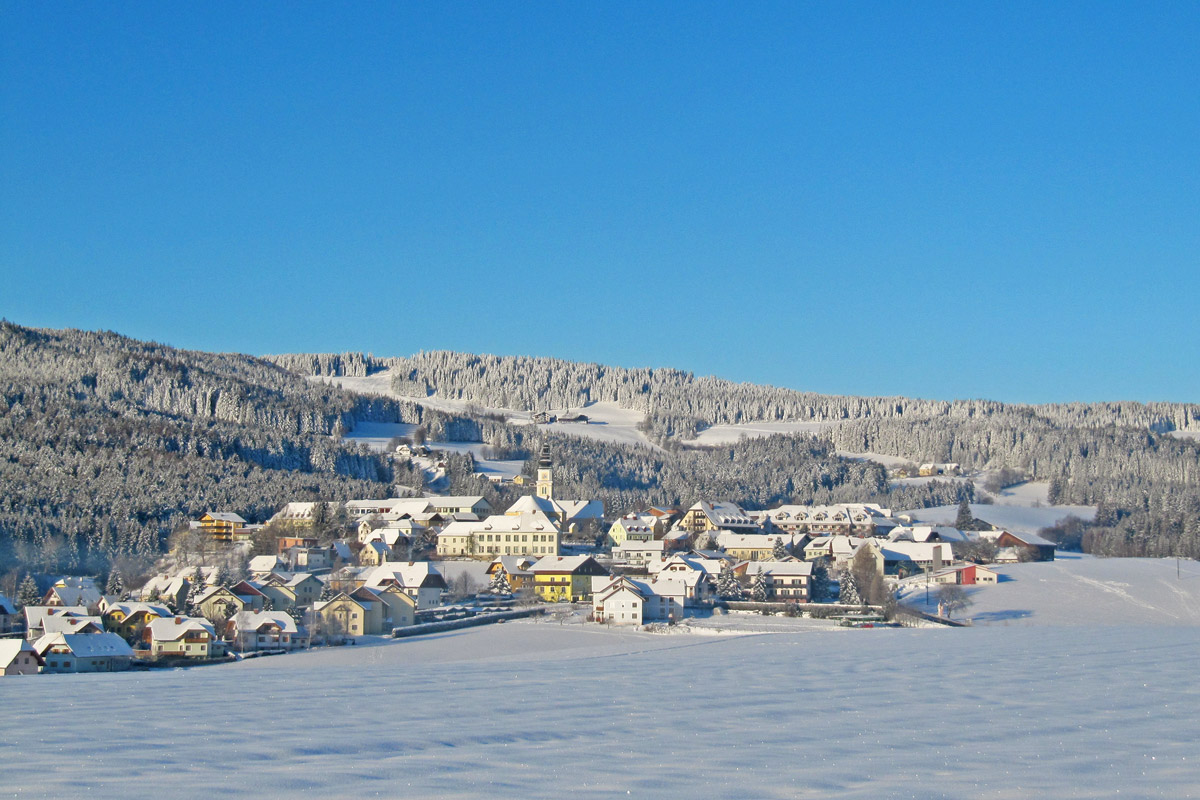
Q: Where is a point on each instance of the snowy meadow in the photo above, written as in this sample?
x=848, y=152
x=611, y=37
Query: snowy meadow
x=539, y=709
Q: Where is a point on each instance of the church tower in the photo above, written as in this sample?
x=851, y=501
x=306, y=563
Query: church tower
x=545, y=482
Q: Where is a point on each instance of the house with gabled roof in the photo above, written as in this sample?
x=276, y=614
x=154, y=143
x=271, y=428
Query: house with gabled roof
x=967, y=574
x=73, y=594
x=636, y=528
x=36, y=616
x=565, y=578
x=10, y=617
x=755, y=546
x=84, y=652
x=186, y=637
x=248, y=631
x=374, y=553
x=624, y=600
x=516, y=568
x=217, y=603
x=787, y=581
x=19, y=657
x=420, y=580
x=251, y=595
x=128, y=619
x=705, y=516
x=338, y=617
x=639, y=553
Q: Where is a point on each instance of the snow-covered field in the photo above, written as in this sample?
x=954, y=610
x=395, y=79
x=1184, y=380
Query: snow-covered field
x=1084, y=591
x=1010, y=517
x=533, y=710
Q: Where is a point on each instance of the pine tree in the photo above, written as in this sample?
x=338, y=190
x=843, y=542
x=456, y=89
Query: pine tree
x=500, y=583
x=327, y=592
x=27, y=593
x=195, y=589
x=223, y=577
x=781, y=551
x=965, y=519
x=115, y=585
x=819, y=584
x=759, y=588
x=728, y=587
x=848, y=593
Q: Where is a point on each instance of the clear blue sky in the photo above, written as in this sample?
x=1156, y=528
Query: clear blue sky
x=939, y=200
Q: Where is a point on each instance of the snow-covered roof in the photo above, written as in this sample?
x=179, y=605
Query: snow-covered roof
x=77, y=596
x=567, y=564
x=532, y=502
x=255, y=620
x=169, y=629
x=7, y=606
x=62, y=623
x=225, y=516
x=11, y=648
x=790, y=567
x=35, y=616
x=513, y=565
x=86, y=645
x=407, y=574
x=454, y=501
x=265, y=563
x=573, y=510
x=154, y=609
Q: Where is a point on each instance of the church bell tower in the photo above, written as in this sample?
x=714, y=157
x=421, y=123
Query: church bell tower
x=545, y=481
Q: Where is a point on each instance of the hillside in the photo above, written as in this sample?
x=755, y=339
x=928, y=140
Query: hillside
x=1137, y=464
x=107, y=443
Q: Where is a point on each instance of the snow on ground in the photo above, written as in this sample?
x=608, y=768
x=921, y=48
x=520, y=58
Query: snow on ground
x=378, y=436
x=1013, y=518
x=879, y=458
x=1082, y=590
x=543, y=710
x=728, y=434
x=1186, y=435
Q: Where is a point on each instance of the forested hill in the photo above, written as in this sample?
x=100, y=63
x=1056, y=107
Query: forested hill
x=107, y=442
x=531, y=384
x=1119, y=456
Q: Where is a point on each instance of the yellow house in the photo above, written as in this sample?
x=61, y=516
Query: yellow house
x=128, y=619
x=341, y=616
x=565, y=579
x=704, y=516
x=187, y=637
x=636, y=528
x=220, y=525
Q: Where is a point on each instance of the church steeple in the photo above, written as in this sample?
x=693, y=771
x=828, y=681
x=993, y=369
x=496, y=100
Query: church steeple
x=545, y=481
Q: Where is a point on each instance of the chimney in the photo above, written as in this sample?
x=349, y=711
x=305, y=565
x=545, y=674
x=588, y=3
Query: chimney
x=179, y=620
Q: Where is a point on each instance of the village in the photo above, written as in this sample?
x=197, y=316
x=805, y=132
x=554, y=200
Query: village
x=322, y=574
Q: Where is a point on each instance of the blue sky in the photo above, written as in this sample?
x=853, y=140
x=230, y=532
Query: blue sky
x=935, y=200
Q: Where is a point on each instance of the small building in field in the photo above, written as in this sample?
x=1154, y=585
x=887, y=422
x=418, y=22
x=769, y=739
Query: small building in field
x=967, y=575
